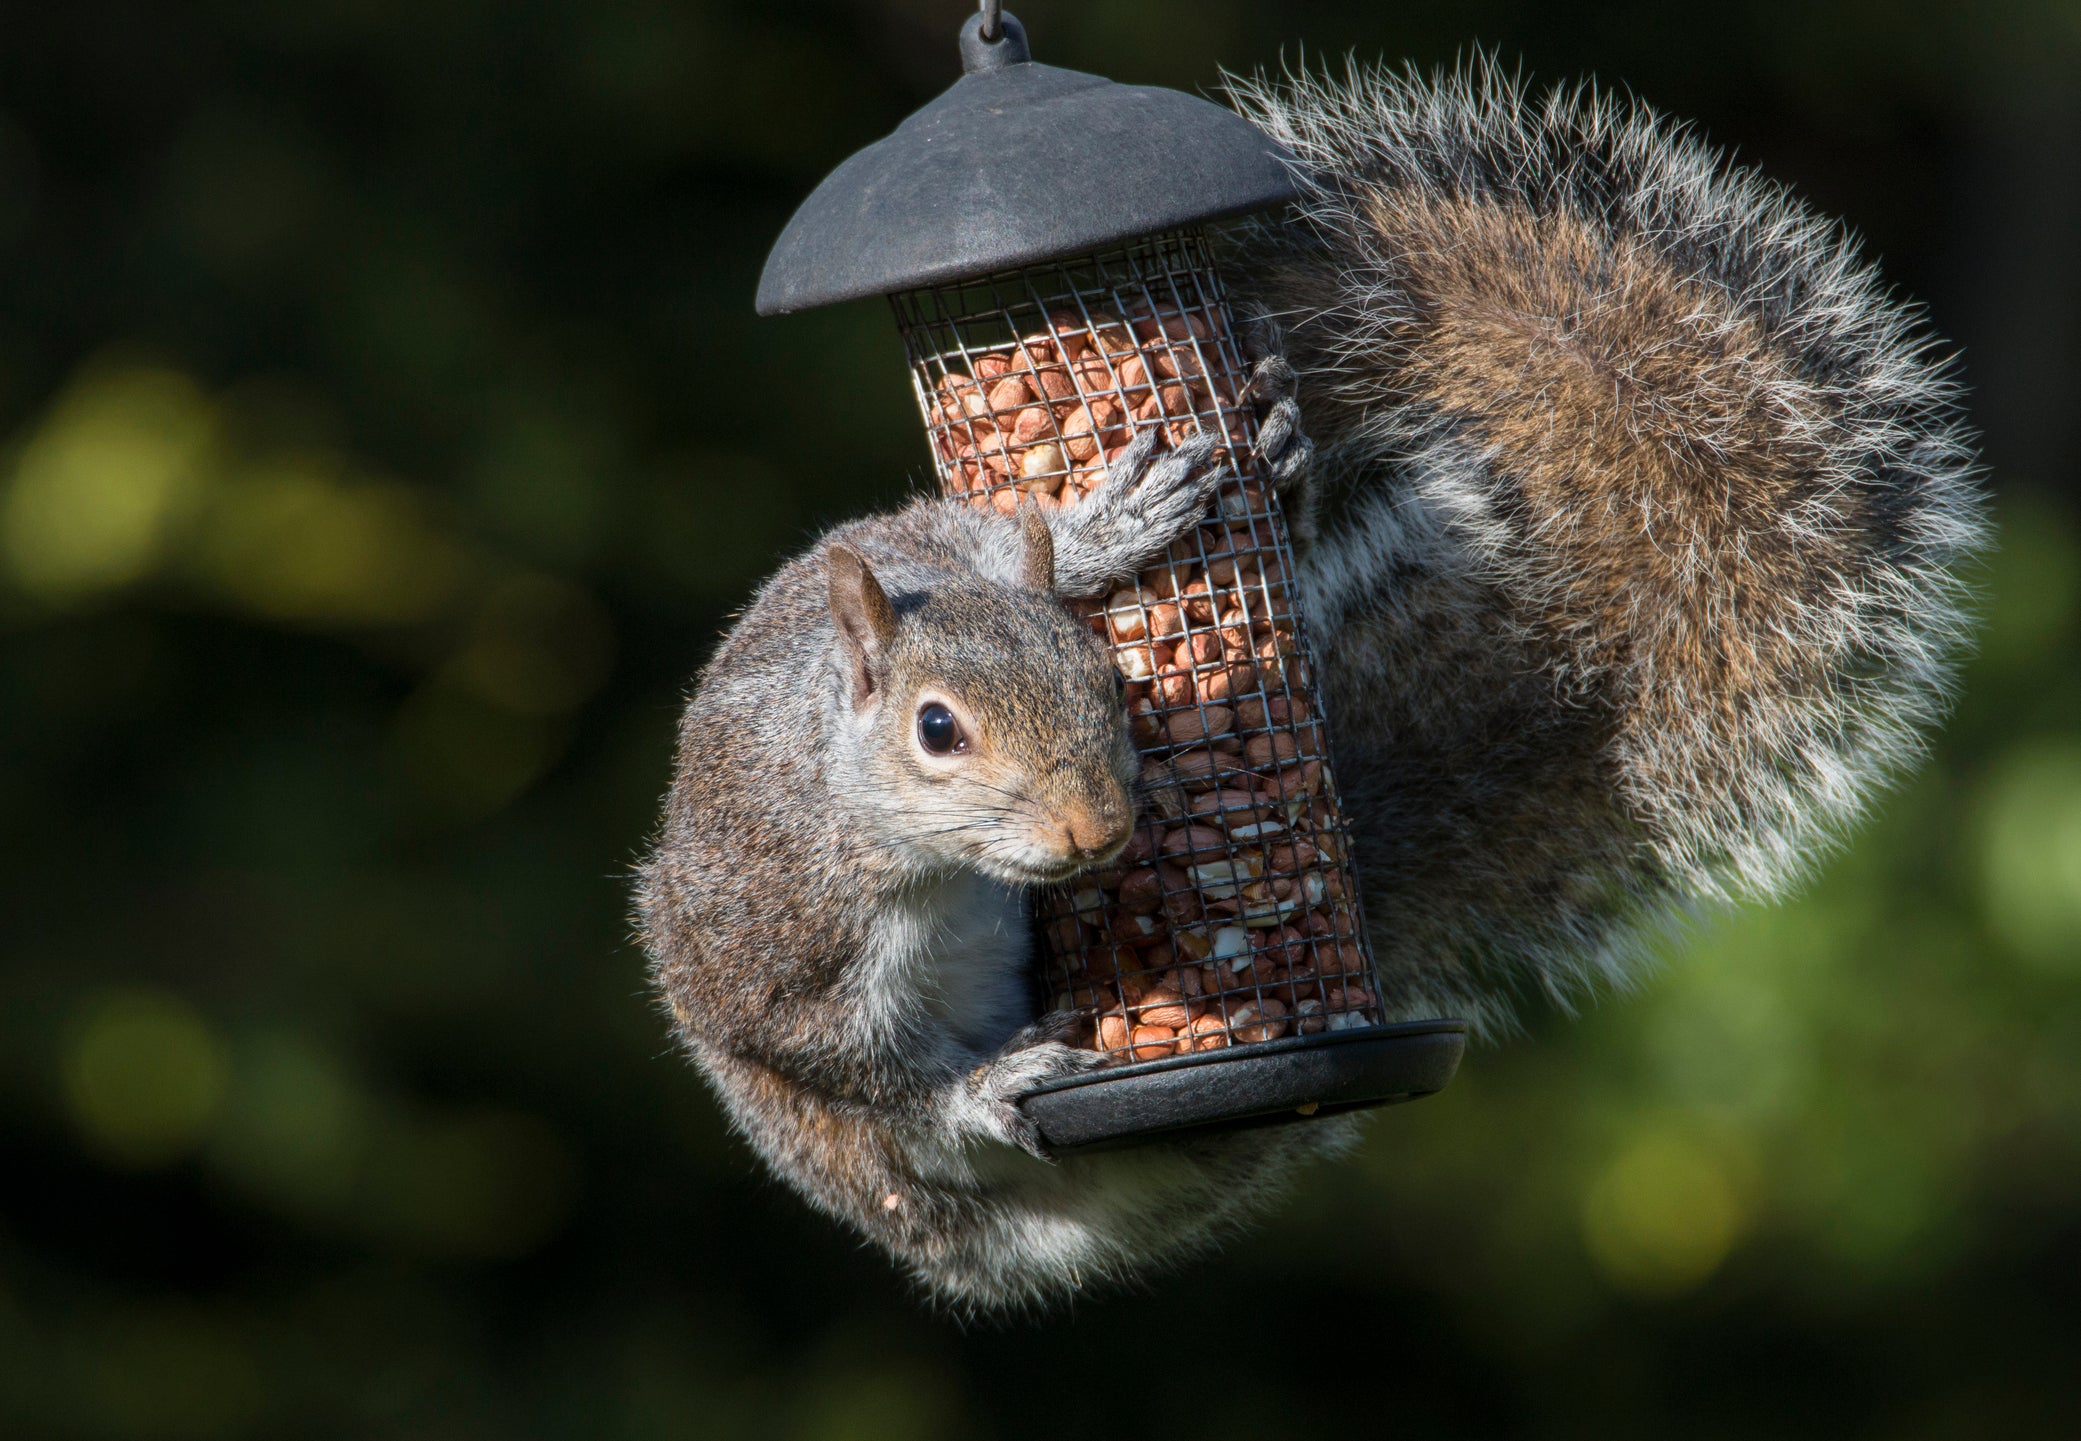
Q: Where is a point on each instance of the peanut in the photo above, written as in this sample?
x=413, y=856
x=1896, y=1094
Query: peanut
x=1113, y=1033
x=1194, y=840
x=1034, y=351
x=1009, y=394
x=1230, y=681
x=1187, y=727
x=1209, y=769
x=1077, y=436
x=1141, y=890
x=1152, y=1042
x=1164, y=1005
x=1270, y=751
x=1124, y=614
x=1232, y=807
x=1263, y=1020
x=1043, y=463
x=1140, y=848
x=1291, y=857
x=1094, y=376
x=1030, y=424
x=1261, y=713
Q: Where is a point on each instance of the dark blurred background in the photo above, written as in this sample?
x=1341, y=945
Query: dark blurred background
x=387, y=437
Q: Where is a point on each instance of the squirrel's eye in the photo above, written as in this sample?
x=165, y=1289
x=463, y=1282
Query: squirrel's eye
x=938, y=731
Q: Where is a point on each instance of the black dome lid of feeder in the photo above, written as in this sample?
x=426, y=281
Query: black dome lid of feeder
x=1015, y=164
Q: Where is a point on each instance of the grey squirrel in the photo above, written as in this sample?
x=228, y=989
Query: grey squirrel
x=1630, y=549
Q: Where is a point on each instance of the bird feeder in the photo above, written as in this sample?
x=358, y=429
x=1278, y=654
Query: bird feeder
x=1040, y=233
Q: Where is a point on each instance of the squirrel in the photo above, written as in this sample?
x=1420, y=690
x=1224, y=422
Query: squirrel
x=905, y=730
x=1630, y=518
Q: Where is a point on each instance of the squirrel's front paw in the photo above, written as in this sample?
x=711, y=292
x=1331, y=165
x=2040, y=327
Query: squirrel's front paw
x=1147, y=500
x=1032, y=1058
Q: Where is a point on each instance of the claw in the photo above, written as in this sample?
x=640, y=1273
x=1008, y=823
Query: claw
x=1134, y=460
x=1024, y=1132
x=1271, y=380
x=1194, y=452
x=1140, y=465
x=1291, y=466
x=1262, y=336
x=1277, y=430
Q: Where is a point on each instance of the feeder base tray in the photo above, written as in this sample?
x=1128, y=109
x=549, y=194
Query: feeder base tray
x=1260, y=1085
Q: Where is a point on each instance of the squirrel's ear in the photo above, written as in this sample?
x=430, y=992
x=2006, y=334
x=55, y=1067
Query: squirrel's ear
x=865, y=619
x=1037, y=559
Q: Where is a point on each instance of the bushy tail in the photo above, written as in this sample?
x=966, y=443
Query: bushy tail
x=1599, y=408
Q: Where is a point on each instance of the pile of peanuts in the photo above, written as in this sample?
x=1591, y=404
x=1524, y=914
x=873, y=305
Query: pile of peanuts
x=1040, y=420
x=1228, y=919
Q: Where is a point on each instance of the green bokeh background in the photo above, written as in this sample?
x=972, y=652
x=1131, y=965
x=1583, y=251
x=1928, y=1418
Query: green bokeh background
x=385, y=436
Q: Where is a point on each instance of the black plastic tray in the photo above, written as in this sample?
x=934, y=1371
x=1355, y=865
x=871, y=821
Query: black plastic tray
x=1298, y=1078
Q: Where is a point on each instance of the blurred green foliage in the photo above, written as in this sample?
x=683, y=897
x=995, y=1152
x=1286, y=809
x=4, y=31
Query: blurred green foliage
x=388, y=436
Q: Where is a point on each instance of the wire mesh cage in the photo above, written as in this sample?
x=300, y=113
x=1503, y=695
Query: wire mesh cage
x=1232, y=919
x=1220, y=962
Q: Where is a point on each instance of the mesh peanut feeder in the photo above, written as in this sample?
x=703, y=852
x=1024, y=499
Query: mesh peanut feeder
x=1039, y=233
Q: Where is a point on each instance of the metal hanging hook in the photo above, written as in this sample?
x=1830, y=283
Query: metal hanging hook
x=990, y=9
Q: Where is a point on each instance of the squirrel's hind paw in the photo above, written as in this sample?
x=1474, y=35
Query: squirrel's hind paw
x=1282, y=448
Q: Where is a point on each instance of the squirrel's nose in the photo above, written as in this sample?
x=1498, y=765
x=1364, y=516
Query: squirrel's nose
x=1098, y=833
